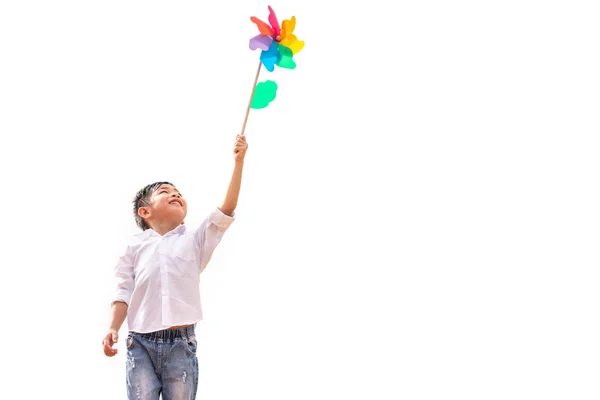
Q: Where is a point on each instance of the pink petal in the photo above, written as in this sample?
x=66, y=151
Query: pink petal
x=273, y=21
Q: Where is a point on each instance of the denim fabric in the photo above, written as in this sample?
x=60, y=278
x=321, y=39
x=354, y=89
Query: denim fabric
x=162, y=362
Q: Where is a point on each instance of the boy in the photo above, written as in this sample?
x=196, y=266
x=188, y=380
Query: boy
x=158, y=288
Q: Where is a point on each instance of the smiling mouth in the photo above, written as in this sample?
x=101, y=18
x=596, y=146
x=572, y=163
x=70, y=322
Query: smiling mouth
x=176, y=202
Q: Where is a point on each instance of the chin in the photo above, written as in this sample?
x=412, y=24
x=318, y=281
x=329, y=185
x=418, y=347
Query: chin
x=178, y=217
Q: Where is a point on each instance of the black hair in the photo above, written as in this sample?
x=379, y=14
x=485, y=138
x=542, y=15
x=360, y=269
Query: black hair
x=142, y=199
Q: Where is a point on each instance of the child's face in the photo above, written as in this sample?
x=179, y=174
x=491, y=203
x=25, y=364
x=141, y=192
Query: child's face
x=167, y=204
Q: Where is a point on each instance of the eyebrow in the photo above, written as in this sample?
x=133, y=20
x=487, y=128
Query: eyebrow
x=162, y=187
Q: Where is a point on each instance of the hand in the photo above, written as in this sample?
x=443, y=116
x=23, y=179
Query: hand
x=239, y=151
x=109, y=340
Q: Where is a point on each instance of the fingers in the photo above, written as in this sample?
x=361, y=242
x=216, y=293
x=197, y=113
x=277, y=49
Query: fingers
x=108, y=352
x=240, y=147
x=107, y=344
x=240, y=142
x=240, y=139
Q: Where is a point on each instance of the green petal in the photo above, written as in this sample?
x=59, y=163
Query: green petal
x=287, y=57
x=264, y=93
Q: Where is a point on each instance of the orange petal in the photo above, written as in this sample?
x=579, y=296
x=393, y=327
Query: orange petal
x=263, y=27
x=287, y=27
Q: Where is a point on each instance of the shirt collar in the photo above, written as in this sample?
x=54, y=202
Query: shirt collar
x=150, y=232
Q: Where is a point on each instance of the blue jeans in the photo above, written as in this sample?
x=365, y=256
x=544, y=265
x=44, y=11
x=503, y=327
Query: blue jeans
x=162, y=362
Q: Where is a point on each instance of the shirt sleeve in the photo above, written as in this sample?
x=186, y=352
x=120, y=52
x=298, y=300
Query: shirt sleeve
x=210, y=233
x=124, y=278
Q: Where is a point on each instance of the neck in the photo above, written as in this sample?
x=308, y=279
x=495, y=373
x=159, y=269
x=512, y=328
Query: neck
x=164, y=227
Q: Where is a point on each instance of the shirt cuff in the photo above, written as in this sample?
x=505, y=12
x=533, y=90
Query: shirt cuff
x=221, y=220
x=123, y=298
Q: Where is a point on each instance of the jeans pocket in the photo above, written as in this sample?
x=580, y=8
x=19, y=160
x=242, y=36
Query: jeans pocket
x=129, y=342
x=191, y=344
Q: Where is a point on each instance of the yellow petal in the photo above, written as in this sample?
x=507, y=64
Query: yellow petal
x=293, y=43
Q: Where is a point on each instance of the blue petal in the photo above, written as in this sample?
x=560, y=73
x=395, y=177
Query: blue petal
x=270, y=57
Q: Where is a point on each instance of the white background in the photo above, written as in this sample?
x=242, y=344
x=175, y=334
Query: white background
x=419, y=216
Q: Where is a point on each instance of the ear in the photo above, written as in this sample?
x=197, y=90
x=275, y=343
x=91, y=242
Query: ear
x=144, y=212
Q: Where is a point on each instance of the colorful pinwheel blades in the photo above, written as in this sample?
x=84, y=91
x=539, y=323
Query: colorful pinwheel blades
x=278, y=44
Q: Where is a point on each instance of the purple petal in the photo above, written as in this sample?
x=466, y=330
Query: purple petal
x=262, y=42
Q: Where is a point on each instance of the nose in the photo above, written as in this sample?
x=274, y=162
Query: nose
x=176, y=195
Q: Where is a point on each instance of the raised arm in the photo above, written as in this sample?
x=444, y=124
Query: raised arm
x=233, y=191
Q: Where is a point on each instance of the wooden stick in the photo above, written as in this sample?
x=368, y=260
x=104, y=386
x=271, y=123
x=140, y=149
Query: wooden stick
x=251, y=96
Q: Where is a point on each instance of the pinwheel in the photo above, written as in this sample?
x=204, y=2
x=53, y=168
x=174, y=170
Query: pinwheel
x=278, y=44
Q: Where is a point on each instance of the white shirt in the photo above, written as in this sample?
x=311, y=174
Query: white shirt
x=159, y=276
